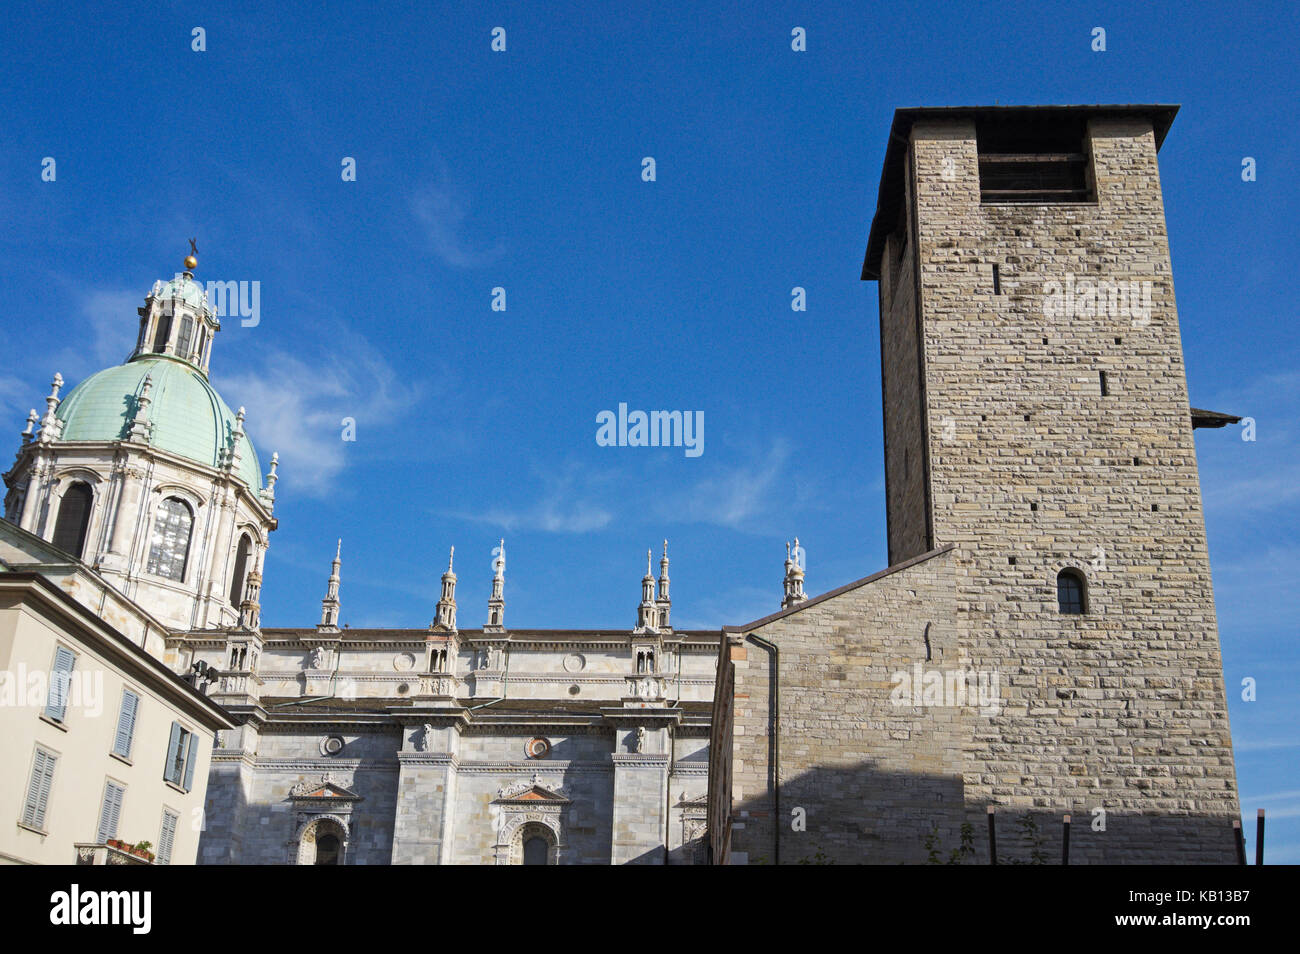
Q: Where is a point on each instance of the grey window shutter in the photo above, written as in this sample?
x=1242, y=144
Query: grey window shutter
x=56, y=706
x=189, y=760
x=110, y=812
x=166, y=838
x=126, y=723
x=170, y=772
x=38, y=789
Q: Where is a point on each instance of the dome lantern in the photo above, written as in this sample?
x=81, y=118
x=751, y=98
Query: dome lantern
x=177, y=320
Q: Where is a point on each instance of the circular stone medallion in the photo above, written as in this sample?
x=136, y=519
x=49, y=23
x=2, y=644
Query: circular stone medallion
x=537, y=748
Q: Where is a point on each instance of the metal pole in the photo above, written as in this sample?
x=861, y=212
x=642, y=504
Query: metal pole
x=1065, y=842
x=993, y=840
x=1240, y=839
x=1259, y=837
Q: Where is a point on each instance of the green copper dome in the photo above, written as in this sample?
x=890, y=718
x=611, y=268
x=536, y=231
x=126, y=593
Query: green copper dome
x=184, y=287
x=189, y=418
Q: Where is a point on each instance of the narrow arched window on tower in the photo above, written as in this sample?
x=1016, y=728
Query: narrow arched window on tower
x=170, y=546
x=1071, y=592
x=161, y=331
x=74, y=519
x=183, y=338
x=241, y=570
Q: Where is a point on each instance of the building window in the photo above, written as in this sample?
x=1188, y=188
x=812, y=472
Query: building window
x=38, y=789
x=536, y=850
x=179, y=768
x=56, y=703
x=110, y=812
x=535, y=843
x=327, y=849
x=1036, y=163
x=170, y=547
x=241, y=570
x=126, y=724
x=1071, y=595
x=161, y=332
x=167, y=837
x=322, y=842
x=74, y=519
x=184, y=337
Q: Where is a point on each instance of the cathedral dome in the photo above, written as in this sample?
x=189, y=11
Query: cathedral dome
x=184, y=287
x=187, y=415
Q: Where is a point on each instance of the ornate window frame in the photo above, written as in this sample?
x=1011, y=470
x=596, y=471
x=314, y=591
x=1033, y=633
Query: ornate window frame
x=316, y=802
x=528, y=809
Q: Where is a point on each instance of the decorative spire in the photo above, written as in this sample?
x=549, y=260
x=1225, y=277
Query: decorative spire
x=236, y=435
x=273, y=476
x=329, y=617
x=793, y=576
x=50, y=423
x=250, y=609
x=497, y=601
x=140, y=426
x=32, y=418
x=446, y=619
x=191, y=261
x=645, y=614
x=664, y=602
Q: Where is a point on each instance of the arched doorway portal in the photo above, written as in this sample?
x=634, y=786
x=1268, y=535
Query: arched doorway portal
x=322, y=842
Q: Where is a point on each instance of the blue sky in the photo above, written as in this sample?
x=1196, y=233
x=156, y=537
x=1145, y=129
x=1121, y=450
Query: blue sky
x=522, y=170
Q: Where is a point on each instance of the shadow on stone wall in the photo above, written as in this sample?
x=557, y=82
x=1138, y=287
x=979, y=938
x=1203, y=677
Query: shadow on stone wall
x=863, y=815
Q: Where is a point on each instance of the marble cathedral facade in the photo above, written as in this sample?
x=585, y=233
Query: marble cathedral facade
x=460, y=746
x=141, y=494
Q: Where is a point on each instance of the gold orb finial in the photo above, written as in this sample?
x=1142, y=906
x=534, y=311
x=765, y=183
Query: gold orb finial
x=190, y=261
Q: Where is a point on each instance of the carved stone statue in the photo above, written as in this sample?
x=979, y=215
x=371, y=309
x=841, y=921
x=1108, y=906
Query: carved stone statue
x=640, y=739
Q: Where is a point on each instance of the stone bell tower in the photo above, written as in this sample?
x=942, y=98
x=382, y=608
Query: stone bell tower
x=1036, y=417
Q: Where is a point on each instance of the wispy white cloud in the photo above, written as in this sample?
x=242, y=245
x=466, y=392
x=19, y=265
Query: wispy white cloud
x=297, y=403
x=442, y=207
x=1265, y=744
x=746, y=495
x=104, y=334
x=571, y=501
x=740, y=495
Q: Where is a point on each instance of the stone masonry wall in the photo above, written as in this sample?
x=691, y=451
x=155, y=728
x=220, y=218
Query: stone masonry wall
x=871, y=776
x=1123, y=708
x=901, y=396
